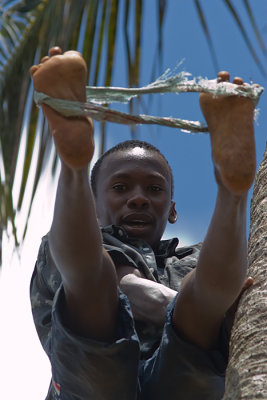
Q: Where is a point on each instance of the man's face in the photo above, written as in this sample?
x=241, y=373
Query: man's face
x=134, y=191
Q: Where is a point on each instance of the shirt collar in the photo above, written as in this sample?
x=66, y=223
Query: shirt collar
x=166, y=248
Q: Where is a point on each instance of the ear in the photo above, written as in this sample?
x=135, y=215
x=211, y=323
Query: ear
x=172, y=214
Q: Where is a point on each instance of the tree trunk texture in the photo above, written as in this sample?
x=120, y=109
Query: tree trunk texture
x=246, y=376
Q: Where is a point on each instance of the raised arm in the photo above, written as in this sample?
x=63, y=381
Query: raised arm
x=88, y=274
x=212, y=288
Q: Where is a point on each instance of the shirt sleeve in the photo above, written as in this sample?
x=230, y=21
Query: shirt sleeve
x=45, y=283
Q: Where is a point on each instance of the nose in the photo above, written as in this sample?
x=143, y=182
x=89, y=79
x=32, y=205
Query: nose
x=138, y=199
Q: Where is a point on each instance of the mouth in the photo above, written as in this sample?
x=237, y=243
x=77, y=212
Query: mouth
x=137, y=221
x=136, y=224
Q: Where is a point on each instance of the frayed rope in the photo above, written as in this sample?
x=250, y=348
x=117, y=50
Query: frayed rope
x=167, y=83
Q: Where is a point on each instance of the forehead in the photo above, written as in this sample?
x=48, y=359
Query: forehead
x=134, y=162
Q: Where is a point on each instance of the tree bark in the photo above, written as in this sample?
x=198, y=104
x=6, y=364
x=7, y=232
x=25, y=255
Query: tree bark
x=246, y=376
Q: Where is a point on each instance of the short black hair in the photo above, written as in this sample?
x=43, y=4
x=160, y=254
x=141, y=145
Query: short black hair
x=127, y=145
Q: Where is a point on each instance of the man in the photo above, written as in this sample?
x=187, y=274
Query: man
x=84, y=322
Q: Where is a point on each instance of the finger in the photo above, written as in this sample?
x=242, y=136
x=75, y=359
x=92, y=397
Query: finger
x=248, y=282
x=55, y=51
x=223, y=76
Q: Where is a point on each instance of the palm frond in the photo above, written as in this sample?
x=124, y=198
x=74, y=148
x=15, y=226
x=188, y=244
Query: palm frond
x=19, y=22
x=255, y=27
x=100, y=42
x=245, y=36
x=157, y=66
x=205, y=28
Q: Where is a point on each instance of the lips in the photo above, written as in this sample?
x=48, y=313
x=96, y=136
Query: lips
x=137, y=220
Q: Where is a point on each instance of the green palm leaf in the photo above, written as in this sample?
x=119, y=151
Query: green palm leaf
x=27, y=30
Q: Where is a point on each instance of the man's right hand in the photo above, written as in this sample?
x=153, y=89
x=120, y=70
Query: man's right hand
x=148, y=299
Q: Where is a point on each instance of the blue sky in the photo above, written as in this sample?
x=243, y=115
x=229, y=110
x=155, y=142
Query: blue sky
x=189, y=155
x=24, y=368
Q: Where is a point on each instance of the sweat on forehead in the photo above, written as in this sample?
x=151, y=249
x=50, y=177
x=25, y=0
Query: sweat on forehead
x=130, y=148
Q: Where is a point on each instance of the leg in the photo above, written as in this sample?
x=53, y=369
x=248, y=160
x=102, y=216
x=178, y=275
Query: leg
x=64, y=76
x=230, y=122
x=88, y=274
x=90, y=370
x=213, y=287
x=181, y=370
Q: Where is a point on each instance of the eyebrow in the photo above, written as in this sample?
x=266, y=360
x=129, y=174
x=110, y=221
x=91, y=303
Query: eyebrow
x=124, y=175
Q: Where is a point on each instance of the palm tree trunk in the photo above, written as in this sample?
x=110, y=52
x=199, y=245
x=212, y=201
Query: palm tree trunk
x=246, y=376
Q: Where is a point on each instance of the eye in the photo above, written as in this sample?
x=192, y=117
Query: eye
x=156, y=188
x=119, y=187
